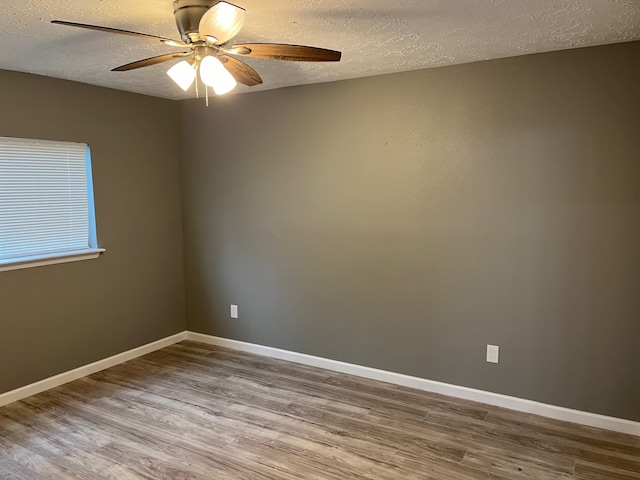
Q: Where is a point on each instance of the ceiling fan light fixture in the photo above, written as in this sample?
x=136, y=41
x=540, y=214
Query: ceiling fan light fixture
x=213, y=74
x=183, y=74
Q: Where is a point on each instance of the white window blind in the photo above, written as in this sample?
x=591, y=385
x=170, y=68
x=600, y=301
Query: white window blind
x=46, y=200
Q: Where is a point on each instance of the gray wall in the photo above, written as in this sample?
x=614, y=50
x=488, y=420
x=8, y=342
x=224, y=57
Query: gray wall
x=58, y=317
x=405, y=221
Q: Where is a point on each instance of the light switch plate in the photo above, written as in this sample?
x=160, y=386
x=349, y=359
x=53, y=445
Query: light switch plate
x=234, y=311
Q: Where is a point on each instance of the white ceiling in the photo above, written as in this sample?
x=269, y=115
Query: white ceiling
x=375, y=36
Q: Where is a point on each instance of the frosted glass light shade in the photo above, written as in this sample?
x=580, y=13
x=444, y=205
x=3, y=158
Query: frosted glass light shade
x=183, y=74
x=213, y=74
x=223, y=21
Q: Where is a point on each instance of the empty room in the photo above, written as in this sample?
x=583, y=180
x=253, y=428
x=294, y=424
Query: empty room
x=320, y=240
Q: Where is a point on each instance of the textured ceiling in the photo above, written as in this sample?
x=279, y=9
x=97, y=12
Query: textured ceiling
x=375, y=36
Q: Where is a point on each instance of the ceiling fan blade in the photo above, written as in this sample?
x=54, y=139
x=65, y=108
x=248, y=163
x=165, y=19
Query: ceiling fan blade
x=279, y=51
x=242, y=72
x=222, y=22
x=150, y=61
x=168, y=41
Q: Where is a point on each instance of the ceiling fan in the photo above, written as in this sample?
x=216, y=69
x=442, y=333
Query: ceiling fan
x=205, y=27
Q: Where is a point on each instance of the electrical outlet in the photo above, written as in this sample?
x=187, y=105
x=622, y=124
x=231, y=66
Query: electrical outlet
x=234, y=311
x=493, y=353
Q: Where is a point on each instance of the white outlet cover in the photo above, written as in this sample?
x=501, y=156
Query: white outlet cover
x=234, y=311
x=493, y=353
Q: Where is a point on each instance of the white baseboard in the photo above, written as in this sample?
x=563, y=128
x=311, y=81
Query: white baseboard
x=57, y=380
x=513, y=403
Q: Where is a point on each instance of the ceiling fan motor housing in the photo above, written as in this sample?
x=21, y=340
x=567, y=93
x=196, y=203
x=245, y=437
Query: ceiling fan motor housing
x=188, y=14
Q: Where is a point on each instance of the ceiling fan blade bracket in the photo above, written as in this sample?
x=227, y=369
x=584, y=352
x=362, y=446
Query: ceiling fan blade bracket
x=235, y=50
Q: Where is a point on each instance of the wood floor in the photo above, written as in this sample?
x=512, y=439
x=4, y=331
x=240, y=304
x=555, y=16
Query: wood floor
x=196, y=412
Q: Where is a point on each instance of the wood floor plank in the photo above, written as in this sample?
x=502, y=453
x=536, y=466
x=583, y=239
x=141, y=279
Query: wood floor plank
x=193, y=411
x=24, y=459
x=589, y=471
x=430, y=402
x=538, y=439
x=619, y=437
x=226, y=464
x=69, y=455
x=7, y=475
x=511, y=465
x=151, y=463
x=577, y=435
x=10, y=470
x=442, y=469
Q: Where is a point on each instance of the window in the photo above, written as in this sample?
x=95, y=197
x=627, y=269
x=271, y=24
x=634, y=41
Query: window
x=46, y=203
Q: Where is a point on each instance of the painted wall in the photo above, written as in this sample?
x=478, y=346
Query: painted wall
x=56, y=318
x=406, y=221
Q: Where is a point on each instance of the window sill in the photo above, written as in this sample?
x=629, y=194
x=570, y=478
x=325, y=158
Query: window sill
x=49, y=259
